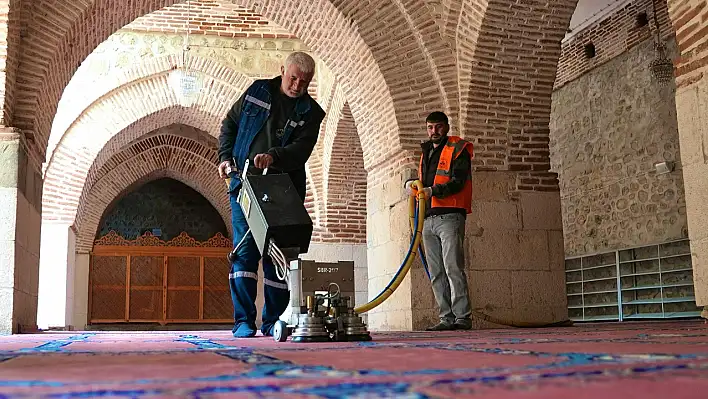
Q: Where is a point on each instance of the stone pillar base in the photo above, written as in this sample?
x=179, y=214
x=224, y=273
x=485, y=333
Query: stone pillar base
x=514, y=257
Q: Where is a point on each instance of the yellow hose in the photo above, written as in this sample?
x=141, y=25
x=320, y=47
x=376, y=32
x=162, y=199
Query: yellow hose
x=411, y=254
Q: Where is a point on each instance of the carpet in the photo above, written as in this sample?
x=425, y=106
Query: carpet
x=617, y=360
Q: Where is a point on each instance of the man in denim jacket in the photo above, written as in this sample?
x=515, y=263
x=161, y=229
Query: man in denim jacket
x=275, y=125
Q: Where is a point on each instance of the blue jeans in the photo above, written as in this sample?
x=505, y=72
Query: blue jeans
x=243, y=278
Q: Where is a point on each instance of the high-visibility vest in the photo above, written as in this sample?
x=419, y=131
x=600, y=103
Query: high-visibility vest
x=451, y=151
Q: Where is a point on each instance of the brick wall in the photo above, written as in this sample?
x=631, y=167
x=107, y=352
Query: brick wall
x=345, y=215
x=331, y=98
x=159, y=161
x=689, y=20
x=73, y=30
x=9, y=56
x=143, y=105
x=611, y=36
x=510, y=88
x=209, y=18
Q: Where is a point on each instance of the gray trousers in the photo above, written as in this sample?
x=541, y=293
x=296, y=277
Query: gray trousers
x=443, y=241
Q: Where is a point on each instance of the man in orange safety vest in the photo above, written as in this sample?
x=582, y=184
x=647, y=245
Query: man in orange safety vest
x=445, y=171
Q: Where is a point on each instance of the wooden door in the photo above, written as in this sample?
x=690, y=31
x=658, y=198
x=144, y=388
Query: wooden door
x=148, y=280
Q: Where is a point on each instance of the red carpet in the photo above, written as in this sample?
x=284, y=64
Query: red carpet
x=629, y=360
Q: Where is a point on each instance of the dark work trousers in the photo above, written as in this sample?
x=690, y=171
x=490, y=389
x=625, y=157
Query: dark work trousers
x=243, y=278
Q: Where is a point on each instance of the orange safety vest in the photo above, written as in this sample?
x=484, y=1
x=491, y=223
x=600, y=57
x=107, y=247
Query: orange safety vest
x=453, y=148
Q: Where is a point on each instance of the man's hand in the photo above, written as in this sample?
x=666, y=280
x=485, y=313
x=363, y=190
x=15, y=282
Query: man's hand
x=428, y=191
x=262, y=161
x=408, y=186
x=223, y=168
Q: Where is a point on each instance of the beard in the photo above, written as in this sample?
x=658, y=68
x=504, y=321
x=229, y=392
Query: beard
x=436, y=139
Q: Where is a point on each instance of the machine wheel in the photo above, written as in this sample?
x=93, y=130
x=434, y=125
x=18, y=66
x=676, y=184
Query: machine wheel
x=280, y=331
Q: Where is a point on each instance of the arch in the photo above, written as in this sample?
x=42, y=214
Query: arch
x=176, y=134
x=169, y=136
x=345, y=187
x=509, y=88
x=319, y=161
x=74, y=103
x=142, y=105
x=148, y=165
x=375, y=80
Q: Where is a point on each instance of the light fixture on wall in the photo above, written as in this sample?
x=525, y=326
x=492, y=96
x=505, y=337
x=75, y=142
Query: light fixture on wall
x=185, y=82
x=665, y=167
x=662, y=68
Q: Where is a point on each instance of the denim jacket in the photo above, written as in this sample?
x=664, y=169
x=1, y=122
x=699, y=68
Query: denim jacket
x=245, y=122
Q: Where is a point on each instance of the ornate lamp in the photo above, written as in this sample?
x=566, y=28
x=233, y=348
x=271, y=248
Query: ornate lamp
x=662, y=68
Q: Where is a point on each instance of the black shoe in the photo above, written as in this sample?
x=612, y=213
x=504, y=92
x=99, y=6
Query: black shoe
x=463, y=324
x=442, y=326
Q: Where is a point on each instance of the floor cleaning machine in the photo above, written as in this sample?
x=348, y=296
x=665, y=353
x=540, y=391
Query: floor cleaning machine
x=321, y=294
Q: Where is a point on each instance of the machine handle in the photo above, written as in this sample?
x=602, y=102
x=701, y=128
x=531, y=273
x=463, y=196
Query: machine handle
x=245, y=169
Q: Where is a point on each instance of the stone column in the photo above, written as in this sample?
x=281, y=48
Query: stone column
x=81, y=285
x=692, y=115
x=56, y=277
x=388, y=239
x=514, y=254
x=20, y=210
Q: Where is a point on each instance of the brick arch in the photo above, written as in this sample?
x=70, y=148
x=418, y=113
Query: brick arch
x=169, y=120
x=74, y=103
x=512, y=70
x=319, y=161
x=169, y=136
x=376, y=80
x=437, y=47
x=150, y=164
x=138, y=103
x=345, y=186
x=177, y=134
x=313, y=200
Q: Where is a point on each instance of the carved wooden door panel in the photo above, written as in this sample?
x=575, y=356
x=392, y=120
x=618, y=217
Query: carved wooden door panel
x=148, y=280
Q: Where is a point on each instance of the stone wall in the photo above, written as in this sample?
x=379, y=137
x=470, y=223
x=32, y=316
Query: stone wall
x=608, y=129
x=20, y=196
x=689, y=20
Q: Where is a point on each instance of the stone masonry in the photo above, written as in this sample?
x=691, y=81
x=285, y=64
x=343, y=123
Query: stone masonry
x=490, y=64
x=689, y=19
x=608, y=129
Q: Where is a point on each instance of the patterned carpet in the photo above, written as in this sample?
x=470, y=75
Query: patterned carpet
x=628, y=360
